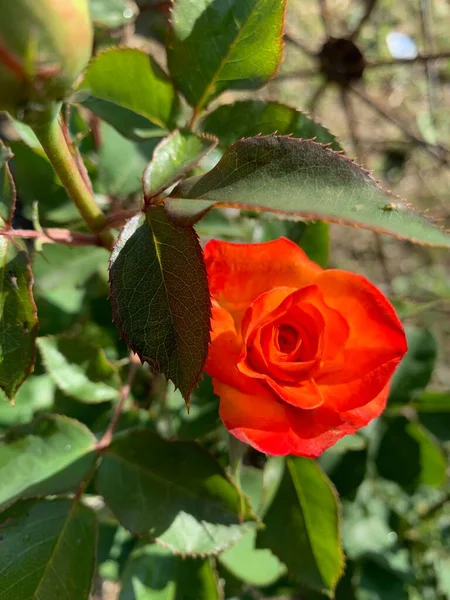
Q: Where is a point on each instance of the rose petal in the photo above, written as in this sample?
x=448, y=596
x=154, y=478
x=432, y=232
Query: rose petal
x=239, y=273
x=277, y=429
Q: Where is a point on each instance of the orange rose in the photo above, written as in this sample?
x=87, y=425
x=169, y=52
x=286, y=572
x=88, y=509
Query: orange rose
x=299, y=356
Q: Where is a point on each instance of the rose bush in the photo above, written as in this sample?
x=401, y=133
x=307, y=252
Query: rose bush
x=300, y=356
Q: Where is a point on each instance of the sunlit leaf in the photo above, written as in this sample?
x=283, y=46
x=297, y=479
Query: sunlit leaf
x=131, y=79
x=50, y=455
x=233, y=44
x=174, y=157
x=302, y=179
x=302, y=526
x=78, y=369
x=7, y=187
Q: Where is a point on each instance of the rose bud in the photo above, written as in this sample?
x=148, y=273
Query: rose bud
x=300, y=356
x=44, y=46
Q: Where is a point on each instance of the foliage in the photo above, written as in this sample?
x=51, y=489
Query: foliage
x=104, y=474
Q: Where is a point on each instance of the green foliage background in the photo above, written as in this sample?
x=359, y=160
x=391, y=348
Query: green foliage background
x=161, y=511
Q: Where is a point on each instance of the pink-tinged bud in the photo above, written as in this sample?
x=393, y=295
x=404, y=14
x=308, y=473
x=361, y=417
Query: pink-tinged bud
x=44, y=46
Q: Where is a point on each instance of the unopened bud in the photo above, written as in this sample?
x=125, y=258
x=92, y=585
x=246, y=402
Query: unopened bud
x=44, y=46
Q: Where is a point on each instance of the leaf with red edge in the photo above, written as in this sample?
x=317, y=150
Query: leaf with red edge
x=174, y=156
x=160, y=297
x=299, y=179
x=218, y=45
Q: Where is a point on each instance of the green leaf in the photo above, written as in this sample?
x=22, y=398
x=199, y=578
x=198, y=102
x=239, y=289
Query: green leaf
x=18, y=319
x=175, y=491
x=253, y=566
x=418, y=458
x=78, y=369
x=129, y=124
x=49, y=456
x=36, y=394
x=131, y=79
x=302, y=526
x=153, y=573
x=160, y=298
x=7, y=187
x=122, y=162
x=48, y=551
x=416, y=368
x=246, y=118
x=173, y=158
x=217, y=45
x=112, y=14
x=302, y=179
x=61, y=274
x=433, y=409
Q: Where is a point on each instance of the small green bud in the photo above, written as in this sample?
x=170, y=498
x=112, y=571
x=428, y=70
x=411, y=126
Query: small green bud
x=44, y=46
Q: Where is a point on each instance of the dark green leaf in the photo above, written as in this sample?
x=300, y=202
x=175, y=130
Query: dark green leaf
x=48, y=551
x=173, y=490
x=160, y=297
x=122, y=162
x=49, y=456
x=418, y=458
x=18, y=319
x=131, y=79
x=112, y=14
x=377, y=583
x=173, y=158
x=416, y=368
x=153, y=573
x=78, y=369
x=7, y=187
x=433, y=409
x=217, y=45
x=345, y=469
x=246, y=118
x=302, y=526
x=303, y=179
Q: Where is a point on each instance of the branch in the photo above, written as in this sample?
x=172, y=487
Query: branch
x=55, y=236
x=324, y=16
x=299, y=44
x=406, y=61
x=124, y=392
x=437, y=151
x=370, y=5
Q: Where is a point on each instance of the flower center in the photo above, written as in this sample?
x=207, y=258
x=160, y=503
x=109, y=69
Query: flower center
x=287, y=338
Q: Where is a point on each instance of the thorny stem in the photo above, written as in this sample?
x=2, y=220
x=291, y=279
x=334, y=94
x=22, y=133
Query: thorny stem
x=55, y=236
x=124, y=392
x=55, y=146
